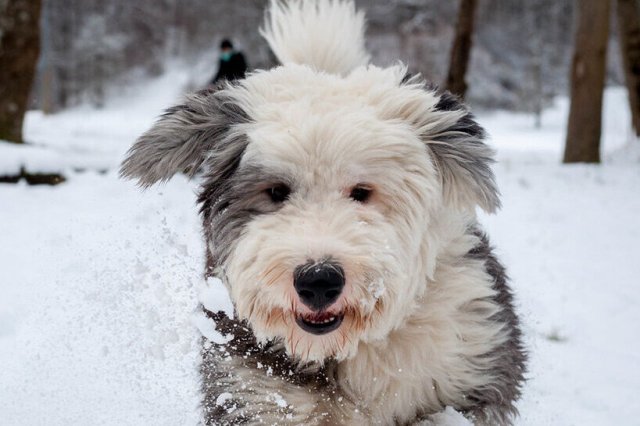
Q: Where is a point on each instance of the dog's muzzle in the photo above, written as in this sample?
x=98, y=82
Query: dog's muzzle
x=319, y=285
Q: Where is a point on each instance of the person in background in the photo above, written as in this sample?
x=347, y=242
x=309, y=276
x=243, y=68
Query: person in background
x=232, y=64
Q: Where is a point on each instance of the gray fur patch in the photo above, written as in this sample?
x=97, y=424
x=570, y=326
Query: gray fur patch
x=182, y=138
x=494, y=404
x=230, y=198
x=463, y=158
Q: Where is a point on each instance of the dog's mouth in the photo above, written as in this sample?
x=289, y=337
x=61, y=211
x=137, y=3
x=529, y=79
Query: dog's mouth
x=319, y=323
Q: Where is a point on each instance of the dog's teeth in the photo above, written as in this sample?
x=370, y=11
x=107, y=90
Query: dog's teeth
x=321, y=321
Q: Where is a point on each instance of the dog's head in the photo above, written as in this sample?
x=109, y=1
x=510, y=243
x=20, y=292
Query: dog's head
x=323, y=191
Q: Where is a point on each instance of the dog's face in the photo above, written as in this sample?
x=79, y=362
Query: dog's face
x=321, y=195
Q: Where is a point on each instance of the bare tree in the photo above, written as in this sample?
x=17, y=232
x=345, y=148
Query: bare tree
x=461, y=49
x=587, y=82
x=19, y=49
x=629, y=29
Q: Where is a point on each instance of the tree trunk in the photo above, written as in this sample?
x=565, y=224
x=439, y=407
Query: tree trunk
x=587, y=82
x=461, y=49
x=19, y=49
x=629, y=29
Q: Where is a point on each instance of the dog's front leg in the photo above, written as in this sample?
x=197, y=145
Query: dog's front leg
x=238, y=392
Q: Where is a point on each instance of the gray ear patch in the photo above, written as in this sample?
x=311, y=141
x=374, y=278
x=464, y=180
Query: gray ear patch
x=183, y=137
x=463, y=159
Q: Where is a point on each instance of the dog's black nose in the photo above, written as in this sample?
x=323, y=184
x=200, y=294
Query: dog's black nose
x=318, y=285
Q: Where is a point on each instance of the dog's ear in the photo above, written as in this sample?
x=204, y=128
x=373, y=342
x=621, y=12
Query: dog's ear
x=463, y=159
x=182, y=138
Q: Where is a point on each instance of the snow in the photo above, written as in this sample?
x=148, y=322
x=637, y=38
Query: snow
x=44, y=160
x=223, y=397
x=450, y=417
x=95, y=312
x=279, y=400
x=569, y=236
x=100, y=282
x=207, y=328
x=377, y=288
x=214, y=297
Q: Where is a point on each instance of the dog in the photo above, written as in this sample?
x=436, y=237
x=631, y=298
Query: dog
x=339, y=203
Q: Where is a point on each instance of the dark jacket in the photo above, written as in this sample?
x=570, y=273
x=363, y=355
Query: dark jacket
x=233, y=69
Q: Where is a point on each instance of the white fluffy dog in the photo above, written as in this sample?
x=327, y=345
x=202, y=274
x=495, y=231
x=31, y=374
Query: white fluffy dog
x=338, y=202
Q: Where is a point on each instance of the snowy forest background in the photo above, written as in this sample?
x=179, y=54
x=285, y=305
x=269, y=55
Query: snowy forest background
x=100, y=282
x=521, y=53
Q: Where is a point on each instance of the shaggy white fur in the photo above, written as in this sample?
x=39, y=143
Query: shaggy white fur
x=427, y=319
x=417, y=313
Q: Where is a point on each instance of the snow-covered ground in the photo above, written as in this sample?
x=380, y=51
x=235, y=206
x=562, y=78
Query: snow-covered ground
x=99, y=281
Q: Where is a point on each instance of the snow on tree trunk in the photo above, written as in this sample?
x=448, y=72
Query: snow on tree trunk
x=461, y=49
x=629, y=30
x=19, y=49
x=587, y=82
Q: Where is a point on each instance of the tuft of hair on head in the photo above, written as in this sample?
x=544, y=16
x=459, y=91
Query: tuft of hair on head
x=327, y=35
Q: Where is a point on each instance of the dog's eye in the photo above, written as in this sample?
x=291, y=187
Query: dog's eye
x=360, y=194
x=279, y=193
